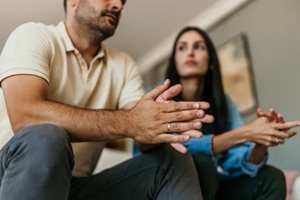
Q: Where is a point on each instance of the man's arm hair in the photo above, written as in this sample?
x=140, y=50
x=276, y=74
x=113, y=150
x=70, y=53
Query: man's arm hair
x=26, y=102
x=148, y=121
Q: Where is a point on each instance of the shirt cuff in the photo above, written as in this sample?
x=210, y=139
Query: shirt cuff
x=250, y=168
x=200, y=145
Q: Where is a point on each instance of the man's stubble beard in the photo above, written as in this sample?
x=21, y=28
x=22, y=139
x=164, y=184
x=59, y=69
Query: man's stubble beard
x=97, y=26
x=108, y=27
x=106, y=30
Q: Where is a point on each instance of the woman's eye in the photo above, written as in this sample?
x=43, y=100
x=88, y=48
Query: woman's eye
x=199, y=47
x=182, y=48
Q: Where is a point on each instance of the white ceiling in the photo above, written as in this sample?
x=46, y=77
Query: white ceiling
x=144, y=24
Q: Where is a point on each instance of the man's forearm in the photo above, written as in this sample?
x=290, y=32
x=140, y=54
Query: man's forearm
x=147, y=122
x=81, y=124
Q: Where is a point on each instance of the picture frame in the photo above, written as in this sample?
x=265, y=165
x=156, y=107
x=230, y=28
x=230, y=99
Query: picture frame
x=237, y=73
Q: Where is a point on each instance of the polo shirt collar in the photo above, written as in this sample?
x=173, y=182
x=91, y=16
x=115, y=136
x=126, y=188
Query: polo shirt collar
x=61, y=27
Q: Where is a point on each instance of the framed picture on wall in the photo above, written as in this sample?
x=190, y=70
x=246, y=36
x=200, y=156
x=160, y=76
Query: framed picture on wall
x=237, y=73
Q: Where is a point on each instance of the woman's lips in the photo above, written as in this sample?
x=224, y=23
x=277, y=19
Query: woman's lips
x=191, y=62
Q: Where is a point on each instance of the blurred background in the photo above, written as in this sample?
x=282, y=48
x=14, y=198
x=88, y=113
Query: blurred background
x=147, y=30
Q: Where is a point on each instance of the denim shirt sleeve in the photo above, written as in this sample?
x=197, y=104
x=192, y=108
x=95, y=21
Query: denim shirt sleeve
x=235, y=161
x=200, y=145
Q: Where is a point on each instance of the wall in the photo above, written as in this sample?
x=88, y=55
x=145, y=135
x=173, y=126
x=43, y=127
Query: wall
x=13, y=13
x=143, y=25
x=273, y=30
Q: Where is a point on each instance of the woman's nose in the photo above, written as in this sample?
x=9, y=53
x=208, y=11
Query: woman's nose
x=191, y=52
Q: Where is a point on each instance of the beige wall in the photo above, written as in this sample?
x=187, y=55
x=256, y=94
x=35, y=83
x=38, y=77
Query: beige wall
x=13, y=13
x=273, y=29
x=144, y=23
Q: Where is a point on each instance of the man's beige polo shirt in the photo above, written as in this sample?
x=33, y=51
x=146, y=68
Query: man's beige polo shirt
x=110, y=82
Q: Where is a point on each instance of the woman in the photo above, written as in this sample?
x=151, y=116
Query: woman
x=230, y=158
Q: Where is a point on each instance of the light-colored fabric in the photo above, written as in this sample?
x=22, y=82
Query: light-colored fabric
x=110, y=82
x=291, y=177
x=296, y=189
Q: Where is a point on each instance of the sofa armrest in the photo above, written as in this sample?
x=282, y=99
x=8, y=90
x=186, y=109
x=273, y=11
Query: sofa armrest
x=290, y=177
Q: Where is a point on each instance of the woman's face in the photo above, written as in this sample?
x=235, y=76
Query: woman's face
x=191, y=55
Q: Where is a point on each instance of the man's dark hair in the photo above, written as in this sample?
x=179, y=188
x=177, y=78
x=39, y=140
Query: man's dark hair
x=65, y=5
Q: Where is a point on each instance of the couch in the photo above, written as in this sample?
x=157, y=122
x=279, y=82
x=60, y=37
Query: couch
x=293, y=184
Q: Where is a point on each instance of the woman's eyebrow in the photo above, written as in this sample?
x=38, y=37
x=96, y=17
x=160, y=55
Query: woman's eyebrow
x=185, y=42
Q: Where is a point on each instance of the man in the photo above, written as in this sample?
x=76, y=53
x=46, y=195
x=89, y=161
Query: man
x=61, y=86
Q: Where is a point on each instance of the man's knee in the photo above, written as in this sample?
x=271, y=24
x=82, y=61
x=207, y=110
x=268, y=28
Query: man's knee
x=40, y=154
x=43, y=141
x=43, y=133
x=169, y=154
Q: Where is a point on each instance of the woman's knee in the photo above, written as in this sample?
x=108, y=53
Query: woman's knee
x=207, y=175
x=274, y=175
x=203, y=160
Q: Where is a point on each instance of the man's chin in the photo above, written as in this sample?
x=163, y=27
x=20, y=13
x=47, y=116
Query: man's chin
x=110, y=27
x=111, y=22
x=107, y=32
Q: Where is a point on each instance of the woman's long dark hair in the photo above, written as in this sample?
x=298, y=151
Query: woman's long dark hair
x=213, y=91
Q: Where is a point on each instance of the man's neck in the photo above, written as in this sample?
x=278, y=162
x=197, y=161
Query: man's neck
x=87, y=43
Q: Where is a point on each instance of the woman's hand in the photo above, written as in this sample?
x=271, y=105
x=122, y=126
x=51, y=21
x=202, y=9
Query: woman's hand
x=272, y=115
x=269, y=129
